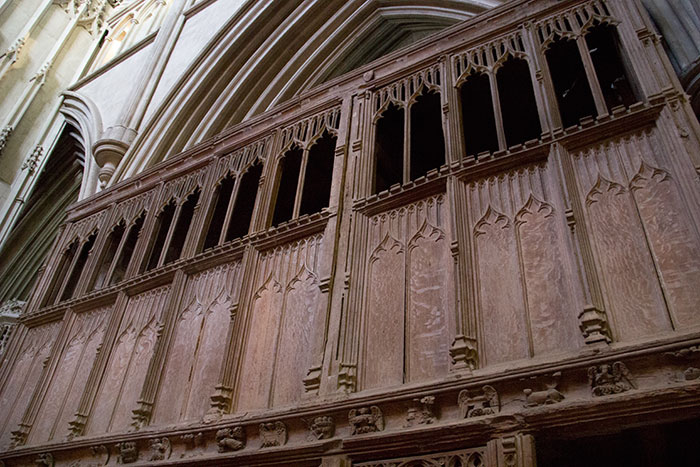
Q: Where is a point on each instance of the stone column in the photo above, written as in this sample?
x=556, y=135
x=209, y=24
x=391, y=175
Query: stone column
x=116, y=140
x=679, y=23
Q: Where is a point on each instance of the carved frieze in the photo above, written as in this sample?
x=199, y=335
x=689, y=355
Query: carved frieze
x=366, y=420
x=305, y=132
x=609, y=379
x=100, y=454
x=475, y=403
x=194, y=442
x=128, y=452
x=273, y=434
x=44, y=460
x=421, y=412
x=322, y=427
x=231, y=439
x=160, y=449
x=549, y=395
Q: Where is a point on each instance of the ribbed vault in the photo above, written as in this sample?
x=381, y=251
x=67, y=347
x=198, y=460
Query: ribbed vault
x=271, y=52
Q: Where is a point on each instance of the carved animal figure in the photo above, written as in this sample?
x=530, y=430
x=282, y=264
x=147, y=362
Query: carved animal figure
x=609, y=379
x=230, y=439
x=475, y=404
x=160, y=449
x=366, y=420
x=548, y=396
x=273, y=434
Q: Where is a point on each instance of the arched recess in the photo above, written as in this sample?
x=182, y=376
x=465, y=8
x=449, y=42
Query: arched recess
x=44, y=210
x=84, y=116
x=273, y=51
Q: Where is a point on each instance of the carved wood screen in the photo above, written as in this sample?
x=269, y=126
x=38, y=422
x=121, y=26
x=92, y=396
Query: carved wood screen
x=126, y=370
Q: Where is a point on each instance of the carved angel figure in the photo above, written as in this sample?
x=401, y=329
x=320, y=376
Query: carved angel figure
x=478, y=403
x=608, y=379
x=273, y=434
x=160, y=449
x=366, y=420
x=230, y=439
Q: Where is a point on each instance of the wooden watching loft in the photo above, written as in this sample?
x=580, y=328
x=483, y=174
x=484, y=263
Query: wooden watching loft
x=476, y=250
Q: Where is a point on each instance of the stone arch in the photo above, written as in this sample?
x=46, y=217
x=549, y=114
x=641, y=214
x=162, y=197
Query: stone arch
x=268, y=54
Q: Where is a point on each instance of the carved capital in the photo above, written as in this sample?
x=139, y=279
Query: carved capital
x=594, y=325
x=464, y=353
x=141, y=415
x=312, y=382
x=4, y=136
x=19, y=436
x=76, y=427
x=347, y=378
x=220, y=404
x=32, y=161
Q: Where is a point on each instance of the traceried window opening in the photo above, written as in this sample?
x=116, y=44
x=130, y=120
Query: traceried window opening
x=243, y=207
x=61, y=272
x=570, y=83
x=604, y=46
x=182, y=227
x=427, y=137
x=109, y=251
x=478, y=121
x=78, y=268
x=289, y=168
x=127, y=252
x=222, y=198
x=521, y=121
x=163, y=221
x=388, y=148
x=317, y=179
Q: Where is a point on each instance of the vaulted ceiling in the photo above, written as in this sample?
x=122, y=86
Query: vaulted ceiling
x=274, y=51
